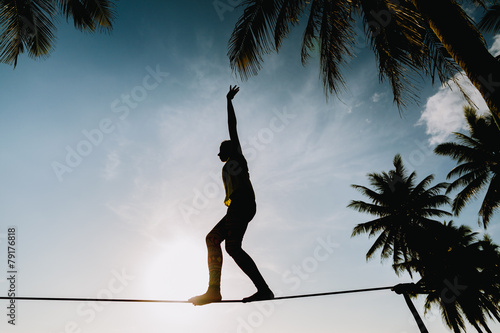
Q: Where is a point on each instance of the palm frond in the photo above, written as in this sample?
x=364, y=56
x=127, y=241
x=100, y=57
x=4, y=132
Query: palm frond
x=470, y=116
x=89, y=15
x=379, y=242
x=490, y=22
x=329, y=29
x=373, y=195
x=478, y=3
x=435, y=190
x=466, y=140
x=311, y=32
x=456, y=151
x=336, y=40
x=290, y=11
x=470, y=192
x=440, y=62
x=398, y=165
x=436, y=212
x=397, y=43
x=456, y=256
x=364, y=207
x=468, y=171
x=424, y=183
x=491, y=200
x=372, y=227
x=251, y=37
x=27, y=25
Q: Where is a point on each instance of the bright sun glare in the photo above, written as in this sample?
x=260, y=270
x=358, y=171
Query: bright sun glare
x=178, y=272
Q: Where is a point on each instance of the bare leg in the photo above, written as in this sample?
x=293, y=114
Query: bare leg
x=213, y=240
x=231, y=228
x=237, y=223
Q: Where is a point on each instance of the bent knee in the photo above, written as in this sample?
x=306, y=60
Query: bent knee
x=233, y=249
x=212, y=239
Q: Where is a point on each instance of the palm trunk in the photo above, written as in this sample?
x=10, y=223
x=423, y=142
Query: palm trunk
x=463, y=42
x=414, y=311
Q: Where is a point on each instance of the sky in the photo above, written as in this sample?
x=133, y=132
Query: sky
x=111, y=179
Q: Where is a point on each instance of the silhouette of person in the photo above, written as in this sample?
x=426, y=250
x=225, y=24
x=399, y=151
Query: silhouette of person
x=240, y=200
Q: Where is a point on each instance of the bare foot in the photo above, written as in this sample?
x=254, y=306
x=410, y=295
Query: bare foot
x=260, y=295
x=212, y=295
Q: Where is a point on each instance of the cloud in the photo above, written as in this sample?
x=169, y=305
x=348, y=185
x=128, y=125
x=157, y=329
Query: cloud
x=443, y=112
x=495, y=48
x=111, y=165
x=376, y=97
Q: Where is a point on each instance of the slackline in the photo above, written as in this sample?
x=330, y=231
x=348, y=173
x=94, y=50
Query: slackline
x=174, y=301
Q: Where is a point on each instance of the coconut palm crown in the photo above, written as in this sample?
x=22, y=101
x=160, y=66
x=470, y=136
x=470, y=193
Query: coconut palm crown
x=404, y=44
x=478, y=164
x=402, y=207
x=460, y=274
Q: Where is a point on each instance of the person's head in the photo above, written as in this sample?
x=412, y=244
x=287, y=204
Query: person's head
x=226, y=150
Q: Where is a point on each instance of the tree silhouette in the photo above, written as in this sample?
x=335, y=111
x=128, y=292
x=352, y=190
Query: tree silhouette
x=409, y=37
x=28, y=25
x=478, y=164
x=459, y=273
x=403, y=208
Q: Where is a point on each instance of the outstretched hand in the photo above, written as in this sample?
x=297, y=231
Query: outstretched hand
x=232, y=91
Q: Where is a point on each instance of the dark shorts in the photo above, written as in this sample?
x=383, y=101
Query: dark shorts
x=241, y=210
x=233, y=225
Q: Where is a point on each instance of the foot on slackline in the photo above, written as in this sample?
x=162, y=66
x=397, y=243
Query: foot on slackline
x=261, y=295
x=212, y=295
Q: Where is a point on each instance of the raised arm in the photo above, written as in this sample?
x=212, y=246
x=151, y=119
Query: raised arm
x=231, y=117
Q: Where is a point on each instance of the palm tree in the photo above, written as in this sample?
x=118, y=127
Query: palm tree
x=403, y=209
x=459, y=273
x=478, y=164
x=28, y=25
x=396, y=35
x=458, y=34
x=435, y=37
x=490, y=22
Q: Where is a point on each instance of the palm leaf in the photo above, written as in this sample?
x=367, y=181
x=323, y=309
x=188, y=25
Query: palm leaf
x=434, y=191
x=491, y=200
x=251, y=37
x=474, y=185
x=458, y=152
x=89, y=15
x=311, y=32
x=397, y=44
x=467, y=141
x=42, y=36
x=372, y=227
x=379, y=242
x=490, y=22
x=440, y=62
x=469, y=169
x=329, y=30
x=336, y=41
x=437, y=212
x=364, y=207
x=26, y=25
x=465, y=196
x=373, y=195
x=398, y=165
x=421, y=187
x=288, y=16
